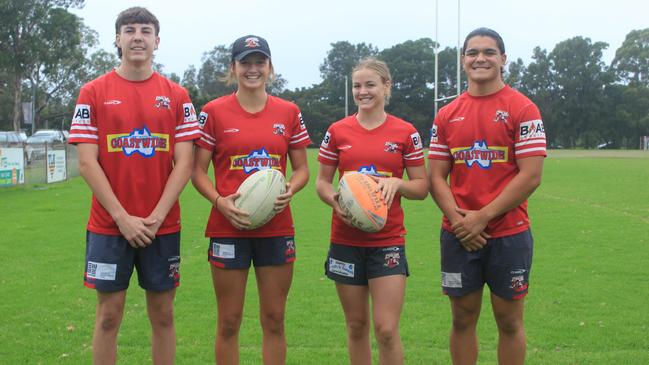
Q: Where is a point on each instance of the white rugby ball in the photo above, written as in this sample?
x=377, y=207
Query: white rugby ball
x=362, y=202
x=258, y=195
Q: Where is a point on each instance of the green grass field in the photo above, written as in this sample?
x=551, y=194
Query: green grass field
x=588, y=301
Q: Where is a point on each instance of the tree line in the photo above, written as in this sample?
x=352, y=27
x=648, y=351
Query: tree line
x=48, y=53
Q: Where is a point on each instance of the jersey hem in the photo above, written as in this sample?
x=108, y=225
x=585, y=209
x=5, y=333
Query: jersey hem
x=500, y=233
x=247, y=234
x=397, y=242
x=116, y=232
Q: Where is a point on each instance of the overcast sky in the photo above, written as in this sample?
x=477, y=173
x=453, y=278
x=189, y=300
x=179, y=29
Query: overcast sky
x=300, y=32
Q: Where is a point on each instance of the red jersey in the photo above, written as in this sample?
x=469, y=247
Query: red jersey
x=243, y=143
x=135, y=125
x=383, y=151
x=483, y=137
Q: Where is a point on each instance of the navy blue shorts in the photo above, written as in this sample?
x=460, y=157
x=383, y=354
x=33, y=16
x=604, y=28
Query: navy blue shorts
x=238, y=253
x=354, y=265
x=110, y=261
x=504, y=264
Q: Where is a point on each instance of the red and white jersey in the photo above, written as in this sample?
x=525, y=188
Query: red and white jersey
x=243, y=143
x=135, y=125
x=483, y=137
x=384, y=151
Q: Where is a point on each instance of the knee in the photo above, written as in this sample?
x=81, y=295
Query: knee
x=273, y=322
x=509, y=326
x=386, y=334
x=465, y=322
x=228, y=325
x=109, y=320
x=357, y=329
x=162, y=318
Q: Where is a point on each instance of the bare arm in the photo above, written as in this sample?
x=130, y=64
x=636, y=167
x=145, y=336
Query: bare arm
x=203, y=184
x=131, y=227
x=299, y=177
x=326, y=192
x=438, y=171
x=517, y=190
x=183, y=153
x=443, y=196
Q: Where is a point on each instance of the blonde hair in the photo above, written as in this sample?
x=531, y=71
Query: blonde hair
x=380, y=68
x=231, y=79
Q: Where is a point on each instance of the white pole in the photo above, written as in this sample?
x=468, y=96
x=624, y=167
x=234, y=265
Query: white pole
x=458, y=47
x=346, y=98
x=436, y=57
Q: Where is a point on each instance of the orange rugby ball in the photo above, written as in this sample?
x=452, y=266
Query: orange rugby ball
x=360, y=199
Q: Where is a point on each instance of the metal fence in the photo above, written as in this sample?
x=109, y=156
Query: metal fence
x=41, y=163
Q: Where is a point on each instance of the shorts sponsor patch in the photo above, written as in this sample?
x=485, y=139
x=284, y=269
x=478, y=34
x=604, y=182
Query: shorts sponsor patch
x=341, y=268
x=222, y=251
x=451, y=279
x=101, y=271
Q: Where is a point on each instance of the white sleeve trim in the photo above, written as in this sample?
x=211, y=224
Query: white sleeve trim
x=206, y=141
x=439, y=153
x=327, y=157
x=187, y=125
x=203, y=134
x=518, y=152
x=83, y=128
x=91, y=136
x=188, y=133
x=440, y=146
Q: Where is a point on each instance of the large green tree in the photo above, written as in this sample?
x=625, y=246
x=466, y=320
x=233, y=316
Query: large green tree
x=580, y=76
x=631, y=62
x=537, y=81
x=338, y=65
x=412, y=65
x=35, y=36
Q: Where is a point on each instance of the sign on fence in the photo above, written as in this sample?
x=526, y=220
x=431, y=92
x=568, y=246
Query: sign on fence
x=12, y=166
x=55, y=166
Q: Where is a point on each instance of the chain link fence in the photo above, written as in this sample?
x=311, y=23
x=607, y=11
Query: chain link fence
x=29, y=164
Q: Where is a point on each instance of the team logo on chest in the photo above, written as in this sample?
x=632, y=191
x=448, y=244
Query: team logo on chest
x=501, y=116
x=140, y=141
x=391, y=147
x=279, y=129
x=162, y=102
x=480, y=154
x=255, y=161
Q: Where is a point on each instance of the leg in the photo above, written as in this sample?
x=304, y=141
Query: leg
x=511, y=333
x=160, y=307
x=387, y=299
x=355, y=303
x=464, y=340
x=230, y=290
x=110, y=309
x=273, y=283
